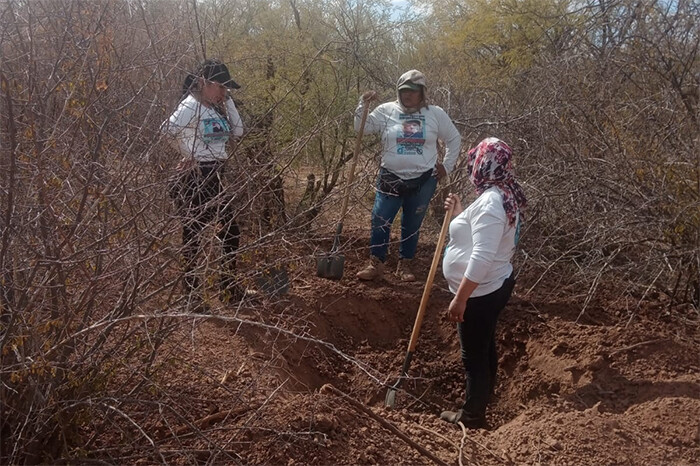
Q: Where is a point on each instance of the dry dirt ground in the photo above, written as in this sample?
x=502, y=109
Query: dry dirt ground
x=301, y=379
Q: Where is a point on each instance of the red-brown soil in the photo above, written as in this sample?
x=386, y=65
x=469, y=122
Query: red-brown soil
x=610, y=386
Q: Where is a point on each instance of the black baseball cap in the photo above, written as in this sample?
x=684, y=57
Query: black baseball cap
x=214, y=70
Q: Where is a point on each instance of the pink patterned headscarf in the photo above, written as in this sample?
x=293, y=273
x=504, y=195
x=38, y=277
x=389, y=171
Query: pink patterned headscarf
x=489, y=164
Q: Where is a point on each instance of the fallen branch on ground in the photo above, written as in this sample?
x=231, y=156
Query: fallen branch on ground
x=636, y=345
x=360, y=407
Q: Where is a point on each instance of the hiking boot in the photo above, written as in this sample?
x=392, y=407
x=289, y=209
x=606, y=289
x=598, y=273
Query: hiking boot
x=373, y=271
x=455, y=417
x=403, y=270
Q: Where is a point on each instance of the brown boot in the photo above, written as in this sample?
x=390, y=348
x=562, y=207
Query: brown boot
x=403, y=270
x=373, y=271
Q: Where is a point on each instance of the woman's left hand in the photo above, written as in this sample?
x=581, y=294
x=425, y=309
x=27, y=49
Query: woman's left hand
x=452, y=202
x=440, y=171
x=455, y=313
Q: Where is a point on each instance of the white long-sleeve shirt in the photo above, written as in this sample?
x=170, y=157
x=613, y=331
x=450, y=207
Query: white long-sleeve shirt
x=201, y=132
x=410, y=139
x=481, y=245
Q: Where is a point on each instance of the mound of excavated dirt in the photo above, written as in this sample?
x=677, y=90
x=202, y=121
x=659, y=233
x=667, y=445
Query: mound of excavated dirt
x=606, y=387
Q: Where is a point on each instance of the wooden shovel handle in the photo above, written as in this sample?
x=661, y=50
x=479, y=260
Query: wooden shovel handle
x=351, y=176
x=429, y=281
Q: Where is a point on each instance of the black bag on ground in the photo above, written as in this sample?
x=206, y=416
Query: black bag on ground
x=389, y=183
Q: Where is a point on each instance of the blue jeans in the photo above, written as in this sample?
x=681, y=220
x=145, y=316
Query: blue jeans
x=385, y=209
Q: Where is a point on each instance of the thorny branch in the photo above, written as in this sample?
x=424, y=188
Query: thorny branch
x=602, y=121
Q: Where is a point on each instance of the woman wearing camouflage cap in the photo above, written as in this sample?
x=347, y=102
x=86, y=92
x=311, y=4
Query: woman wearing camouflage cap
x=409, y=167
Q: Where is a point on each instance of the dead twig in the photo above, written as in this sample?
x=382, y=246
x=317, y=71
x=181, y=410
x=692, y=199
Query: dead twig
x=213, y=418
x=387, y=425
x=636, y=345
x=461, y=443
x=500, y=458
x=418, y=399
x=440, y=436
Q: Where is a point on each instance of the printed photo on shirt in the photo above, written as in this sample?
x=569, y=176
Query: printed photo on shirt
x=413, y=129
x=214, y=129
x=410, y=139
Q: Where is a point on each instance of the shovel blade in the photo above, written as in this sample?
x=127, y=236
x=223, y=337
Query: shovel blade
x=390, y=399
x=273, y=281
x=330, y=266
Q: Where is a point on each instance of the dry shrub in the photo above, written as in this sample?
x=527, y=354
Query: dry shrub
x=86, y=249
x=604, y=126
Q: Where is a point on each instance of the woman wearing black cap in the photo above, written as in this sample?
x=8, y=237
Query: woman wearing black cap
x=203, y=123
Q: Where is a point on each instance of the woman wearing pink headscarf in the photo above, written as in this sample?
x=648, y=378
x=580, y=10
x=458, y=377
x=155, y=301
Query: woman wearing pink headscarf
x=478, y=270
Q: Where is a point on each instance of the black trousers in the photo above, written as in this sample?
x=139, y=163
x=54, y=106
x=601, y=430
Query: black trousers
x=202, y=201
x=477, y=338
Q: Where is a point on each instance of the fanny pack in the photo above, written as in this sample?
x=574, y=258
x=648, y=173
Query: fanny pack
x=389, y=183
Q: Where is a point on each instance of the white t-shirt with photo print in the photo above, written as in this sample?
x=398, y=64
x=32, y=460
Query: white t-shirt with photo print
x=202, y=132
x=410, y=139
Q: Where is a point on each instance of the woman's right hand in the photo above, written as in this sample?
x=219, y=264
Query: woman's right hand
x=454, y=203
x=369, y=96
